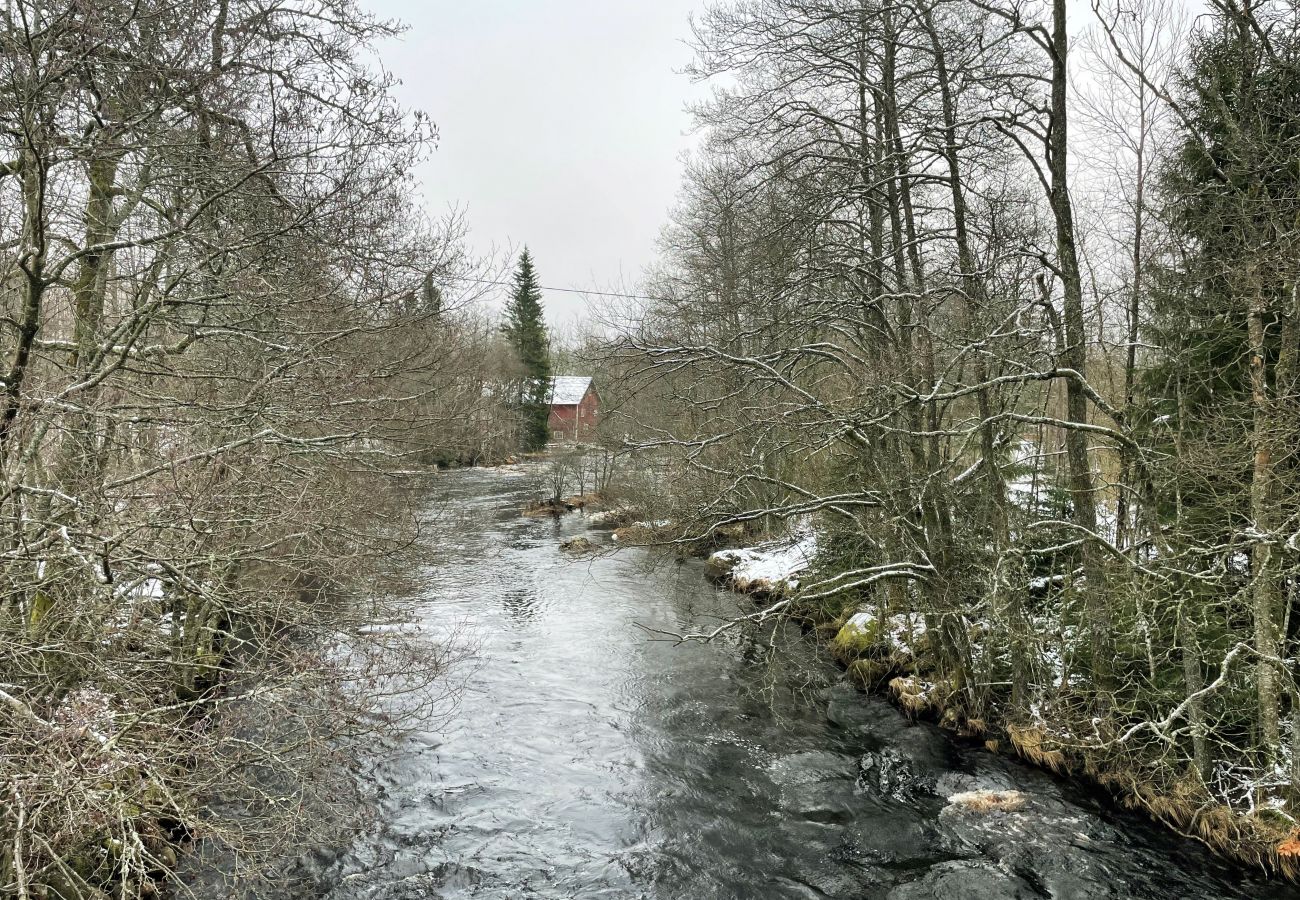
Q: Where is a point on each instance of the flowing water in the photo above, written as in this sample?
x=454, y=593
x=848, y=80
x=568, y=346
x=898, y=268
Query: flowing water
x=586, y=760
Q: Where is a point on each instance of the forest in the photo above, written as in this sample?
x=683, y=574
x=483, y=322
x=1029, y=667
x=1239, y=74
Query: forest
x=227, y=329
x=1005, y=311
x=996, y=307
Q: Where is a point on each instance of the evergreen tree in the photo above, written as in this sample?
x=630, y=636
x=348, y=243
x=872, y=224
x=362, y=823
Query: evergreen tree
x=430, y=297
x=525, y=329
x=1230, y=200
x=1223, y=384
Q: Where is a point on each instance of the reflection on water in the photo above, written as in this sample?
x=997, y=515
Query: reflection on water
x=587, y=761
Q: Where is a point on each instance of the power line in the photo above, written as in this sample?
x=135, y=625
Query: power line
x=560, y=289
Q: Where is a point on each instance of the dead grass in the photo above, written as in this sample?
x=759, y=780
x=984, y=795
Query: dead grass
x=1186, y=808
x=913, y=695
x=984, y=802
x=1183, y=806
x=1031, y=744
x=870, y=673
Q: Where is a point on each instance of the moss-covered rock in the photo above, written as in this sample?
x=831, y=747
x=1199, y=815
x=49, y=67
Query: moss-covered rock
x=859, y=637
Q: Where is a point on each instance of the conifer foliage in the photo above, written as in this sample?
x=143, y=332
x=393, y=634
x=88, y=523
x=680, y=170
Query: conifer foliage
x=525, y=328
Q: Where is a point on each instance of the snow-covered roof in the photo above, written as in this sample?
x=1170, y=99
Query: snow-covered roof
x=568, y=390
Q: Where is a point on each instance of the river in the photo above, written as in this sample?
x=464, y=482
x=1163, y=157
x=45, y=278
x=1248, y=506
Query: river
x=585, y=760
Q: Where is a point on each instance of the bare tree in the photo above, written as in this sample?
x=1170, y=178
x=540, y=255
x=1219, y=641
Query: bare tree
x=211, y=363
x=886, y=318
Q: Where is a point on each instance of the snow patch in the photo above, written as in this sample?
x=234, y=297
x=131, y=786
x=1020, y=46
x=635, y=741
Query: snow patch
x=771, y=567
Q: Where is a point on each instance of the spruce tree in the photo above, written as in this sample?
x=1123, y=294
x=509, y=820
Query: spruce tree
x=1224, y=380
x=525, y=328
x=1230, y=201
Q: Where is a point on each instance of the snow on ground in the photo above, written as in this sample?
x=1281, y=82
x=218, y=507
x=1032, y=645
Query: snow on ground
x=1044, y=582
x=611, y=518
x=147, y=588
x=771, y=567
x=860, y=622
x=1025, y=489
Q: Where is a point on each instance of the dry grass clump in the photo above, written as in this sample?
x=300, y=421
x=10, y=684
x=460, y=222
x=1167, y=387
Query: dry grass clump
x=547, y=507
x=1185, y=807
x=870, y=673
x=1031, y=743
x=913, y=695
x=1285, y=858
x=989, y=801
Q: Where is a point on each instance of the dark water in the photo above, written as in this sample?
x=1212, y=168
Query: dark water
x=587, y=761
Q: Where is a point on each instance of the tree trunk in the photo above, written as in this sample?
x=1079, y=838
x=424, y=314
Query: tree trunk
x=32, y=263
x=1265, y=587
x=1075, y=356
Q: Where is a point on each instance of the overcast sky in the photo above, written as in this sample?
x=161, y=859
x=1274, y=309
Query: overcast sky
x=562, y=124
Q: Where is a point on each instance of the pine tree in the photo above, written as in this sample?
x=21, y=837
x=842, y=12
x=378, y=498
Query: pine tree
x=525, y=329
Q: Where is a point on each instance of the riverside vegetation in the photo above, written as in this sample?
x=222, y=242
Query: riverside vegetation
x=227, y=330
x=1004, y=311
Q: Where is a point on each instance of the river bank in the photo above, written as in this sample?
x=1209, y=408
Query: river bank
x=585, y=760
x=890, y=655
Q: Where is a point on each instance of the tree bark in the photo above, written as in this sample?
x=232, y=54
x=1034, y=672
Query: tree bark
x=1265, y=590
x=1075, y=353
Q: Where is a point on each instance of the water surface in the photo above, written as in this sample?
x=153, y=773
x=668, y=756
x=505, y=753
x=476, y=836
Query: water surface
x=587, y=761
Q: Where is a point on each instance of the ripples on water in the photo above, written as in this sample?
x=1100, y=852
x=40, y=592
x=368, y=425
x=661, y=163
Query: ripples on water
x=586, y=761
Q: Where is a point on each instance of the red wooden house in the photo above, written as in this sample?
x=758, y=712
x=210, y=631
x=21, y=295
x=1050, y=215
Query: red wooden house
x=575, y=407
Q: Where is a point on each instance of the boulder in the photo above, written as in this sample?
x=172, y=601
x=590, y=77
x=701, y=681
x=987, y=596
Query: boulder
x=719, y=565
x=858, y=636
